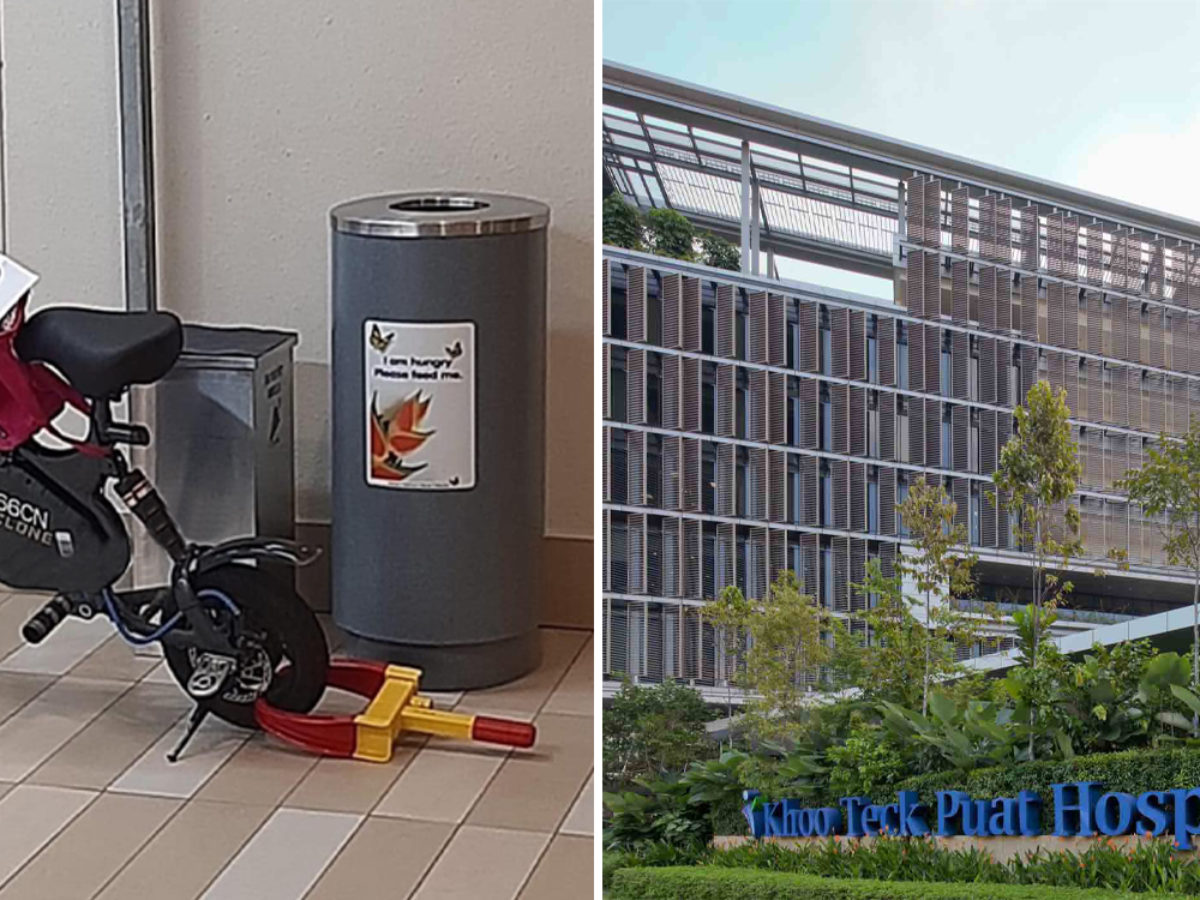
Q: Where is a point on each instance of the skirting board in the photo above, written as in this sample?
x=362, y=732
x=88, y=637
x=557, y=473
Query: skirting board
x=566, y=590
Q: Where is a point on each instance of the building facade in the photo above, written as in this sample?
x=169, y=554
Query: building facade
x=753, y=425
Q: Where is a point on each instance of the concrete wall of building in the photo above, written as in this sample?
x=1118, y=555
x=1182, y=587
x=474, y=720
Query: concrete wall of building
x=267, y=114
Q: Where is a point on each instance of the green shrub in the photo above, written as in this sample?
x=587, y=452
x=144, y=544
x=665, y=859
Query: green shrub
x=622, y=223
x=1133, y=771
x=704, y=883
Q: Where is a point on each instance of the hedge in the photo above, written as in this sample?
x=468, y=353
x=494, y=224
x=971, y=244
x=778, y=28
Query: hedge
x=702, y=883
x=1132, y=771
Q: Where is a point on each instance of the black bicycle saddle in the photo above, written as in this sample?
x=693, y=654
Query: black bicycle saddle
x=102, y=352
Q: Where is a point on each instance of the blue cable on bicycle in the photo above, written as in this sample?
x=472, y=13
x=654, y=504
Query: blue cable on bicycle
x=159, y=632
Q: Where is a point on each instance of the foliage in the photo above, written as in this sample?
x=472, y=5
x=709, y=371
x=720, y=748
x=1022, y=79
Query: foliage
x=941, y=572
x=1142, y=867
x=1168, y=488
x=964, y=734
x=719, y=253
x=670, y=234
x=653, y=730
x=714, y=883
x=783, y=655
x=1132, y=771
x=1035, y=481
x=660, y=812
x=866, y=764
x=622, y=223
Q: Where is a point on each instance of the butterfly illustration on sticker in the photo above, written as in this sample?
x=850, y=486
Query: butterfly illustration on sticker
x=456, y=351
x=378, y=341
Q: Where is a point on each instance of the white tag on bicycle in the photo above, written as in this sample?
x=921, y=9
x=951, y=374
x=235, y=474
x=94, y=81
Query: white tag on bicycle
x=420, y=404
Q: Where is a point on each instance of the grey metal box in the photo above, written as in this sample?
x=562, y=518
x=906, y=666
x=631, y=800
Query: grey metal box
x=222, y=443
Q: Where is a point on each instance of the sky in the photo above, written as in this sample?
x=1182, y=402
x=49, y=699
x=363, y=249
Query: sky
x=1104, y=96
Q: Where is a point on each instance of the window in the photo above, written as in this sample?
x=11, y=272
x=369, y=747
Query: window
x=616, y=400
x=708, y=340
x=872, y=351
x=793, y=343
x=826, y=496
x=973, y=443
x=973, y=370
x=945, y=370
x=1108, y=390
x=975, y=515
x=743, y=407
x=742, y=479
x=739, y=319
x=794, y=497
x=826, y=336
x=653, y=401
x=708, y=408
x=826, y=418
x=902, y=355
x=826, y=598
x=873, y=500
x=793, y=423
x=708, y=478
x=947, y=439
x=873, y=424
x=901, y=496
x=902, y=448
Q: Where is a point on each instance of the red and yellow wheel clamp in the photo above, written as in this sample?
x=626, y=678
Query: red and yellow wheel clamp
x=395, y=708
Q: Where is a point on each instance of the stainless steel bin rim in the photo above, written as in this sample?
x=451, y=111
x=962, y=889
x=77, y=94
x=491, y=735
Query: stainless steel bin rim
x=439, y=213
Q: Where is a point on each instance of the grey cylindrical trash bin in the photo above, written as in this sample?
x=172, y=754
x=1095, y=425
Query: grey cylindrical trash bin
x=439, y=312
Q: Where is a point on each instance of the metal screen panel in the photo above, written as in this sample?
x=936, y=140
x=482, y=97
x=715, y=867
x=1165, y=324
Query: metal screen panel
x=671, y=410
x=672, y=310
x=858, y=496
x=933, y=433
x=807, y=392
x=605, y=298
x=726, y=321
x=960, y=358
x=726, y=480
x=693, y=315
x=885, y=342
x=987, y=297
x=726, y=571
x=960, y=417
x=839, y=334
x=635, y=386
x=960, y=291
x=987, y=369
x=914, y=283
x=672, y=461
x=807, y=327
x=916, y=357
x=777, y=408
x=933, y=359
x=776, y=329
x=838, y=396
x=858, y=421
x=960, y=493
x=916, y=430
x=757, y=574
x=960, y=241
x=1054, y=313
x=858, y=345
x=756, y=502
x=757, y=401
x=987, y=441
x=756, y=332
x=691, y=394
x=635, y=461
x=1029, y=255
x=839, y=471
x=1029, y=307
x=1118, y=311
x=635, y=304
x=887, y=500
x=690, y=493
x=887, y=425
x=776, y=486
x=693, y=576
x=726, y=397
x=810, y=513
x=635, y=533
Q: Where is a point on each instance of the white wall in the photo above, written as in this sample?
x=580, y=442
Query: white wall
x=268, y=112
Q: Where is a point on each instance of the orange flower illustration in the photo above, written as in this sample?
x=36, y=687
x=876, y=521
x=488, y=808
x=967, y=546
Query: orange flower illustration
x=395, y=434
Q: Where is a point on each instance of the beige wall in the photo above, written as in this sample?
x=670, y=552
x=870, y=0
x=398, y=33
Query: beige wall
x=268, y=112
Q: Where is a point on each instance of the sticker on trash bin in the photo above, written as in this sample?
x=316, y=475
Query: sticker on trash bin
x=420, y=385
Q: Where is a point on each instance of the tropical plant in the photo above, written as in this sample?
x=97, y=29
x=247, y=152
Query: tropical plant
x=652, y=730
x=965, y=734
x=660, y=812
x=719, y=253
x=622, y=224
x=1035, y=480
x=941, y=569
x=1167, y=487
x=670, y=234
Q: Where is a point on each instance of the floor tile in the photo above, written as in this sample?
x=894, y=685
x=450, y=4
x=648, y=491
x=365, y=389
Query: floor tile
x=439, y=786
x=116, y=660
x=92, y=849
x=574, y=694
x=70, y=642
x=188, y=853
x=349, y=785
x=581, y=820
x=565, y=870
x=260, y=773
x=114, y=739
x=391, y=852
x=212, y=745
x=17, y=690
x=535, y=790
x=160, y=674
x=34, y=734
x=483, y=864
x=42, y=812
x=15, y=611
x=285, y=857
x=527, y=694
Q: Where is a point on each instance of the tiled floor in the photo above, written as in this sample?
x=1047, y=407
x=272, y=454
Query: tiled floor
x=89, y=806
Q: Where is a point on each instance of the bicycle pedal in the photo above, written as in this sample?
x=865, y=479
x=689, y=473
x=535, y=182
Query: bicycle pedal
x=209, y=675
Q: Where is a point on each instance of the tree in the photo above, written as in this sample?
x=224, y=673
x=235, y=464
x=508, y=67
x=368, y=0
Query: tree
x=671, y=234
x=719, y=253
x=622, y=223
x=940, y=573
x=729, y=616
x=650, y=731
x=1167, y=487
x=784, y=654
x=1036, y=478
